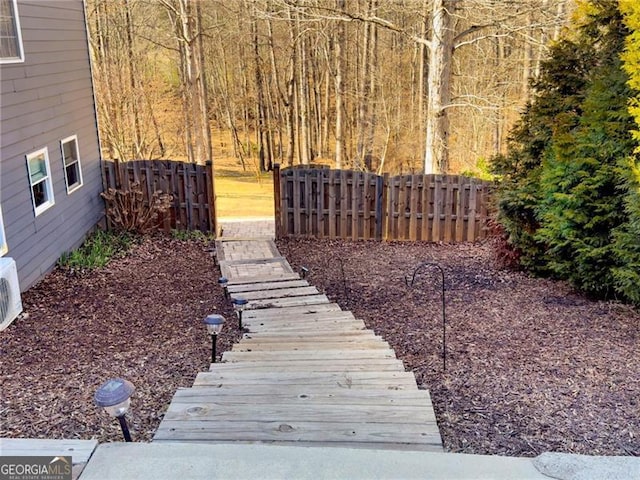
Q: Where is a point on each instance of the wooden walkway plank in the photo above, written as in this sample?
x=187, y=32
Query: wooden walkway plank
x=288, y=302
x=327, y=355
x=372, y=434
x=317, y=323
x=336, y=366
x=270, y=389
x=254, y=287
x=320, y=337
x=331, y=330
x=276, y=294
x=248, y=346
x=287, y=311
x=338, y=375
x=248, y=280
x=339, y=413
x=301, y=395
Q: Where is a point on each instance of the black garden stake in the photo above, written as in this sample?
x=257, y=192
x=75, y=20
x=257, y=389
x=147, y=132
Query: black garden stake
x=444, y=315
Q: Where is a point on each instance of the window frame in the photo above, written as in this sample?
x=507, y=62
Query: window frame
x=16, y=22
x=4, y=247
x=48, y=183
x=71, y=188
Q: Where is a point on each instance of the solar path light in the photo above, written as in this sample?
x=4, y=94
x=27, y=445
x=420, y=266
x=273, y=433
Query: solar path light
x=239, y=304
x=114, y=396
x=214, y=325
x=222, y=281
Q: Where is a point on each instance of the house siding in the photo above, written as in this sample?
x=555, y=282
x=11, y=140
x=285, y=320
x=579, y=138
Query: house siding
x=45, y=99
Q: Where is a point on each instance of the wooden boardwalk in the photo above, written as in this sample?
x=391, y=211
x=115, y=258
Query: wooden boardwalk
x=305, y=373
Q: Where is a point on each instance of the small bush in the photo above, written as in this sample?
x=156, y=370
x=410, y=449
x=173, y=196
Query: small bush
x=97, y=250
x=128, y=211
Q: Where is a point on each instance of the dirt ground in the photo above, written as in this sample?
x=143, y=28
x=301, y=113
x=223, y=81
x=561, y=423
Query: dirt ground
x=531, y=366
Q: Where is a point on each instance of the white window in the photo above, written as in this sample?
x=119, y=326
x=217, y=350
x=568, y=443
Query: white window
x=71, y=161
x=11, y=50
x=40, y=180
x=3, y=240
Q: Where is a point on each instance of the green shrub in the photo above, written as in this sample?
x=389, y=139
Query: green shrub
x=97, y=250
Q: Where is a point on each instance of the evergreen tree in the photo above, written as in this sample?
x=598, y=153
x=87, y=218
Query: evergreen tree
x=581, y=203
x=627, y=237
x=556, y=106
x=570, y=200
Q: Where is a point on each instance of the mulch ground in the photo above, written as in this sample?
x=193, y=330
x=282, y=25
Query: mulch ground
x=140, y=318
x=531, y=365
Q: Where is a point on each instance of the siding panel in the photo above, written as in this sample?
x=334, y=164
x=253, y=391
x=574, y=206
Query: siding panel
x=45, y=99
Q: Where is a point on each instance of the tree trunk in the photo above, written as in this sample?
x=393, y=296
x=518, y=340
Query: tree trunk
x=436, y=159
x=303, y=96
x=339, y=87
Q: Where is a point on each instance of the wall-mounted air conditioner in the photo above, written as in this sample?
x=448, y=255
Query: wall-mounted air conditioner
x=10, y=302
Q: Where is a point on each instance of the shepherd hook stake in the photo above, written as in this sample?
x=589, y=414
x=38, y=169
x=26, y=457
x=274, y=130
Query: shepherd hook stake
x=444, y=316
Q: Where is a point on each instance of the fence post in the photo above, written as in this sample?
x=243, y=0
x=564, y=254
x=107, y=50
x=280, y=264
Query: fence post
x=117, y=177
x=385, y=212
x=211, y=196
x=277, y=200
x=380, y=197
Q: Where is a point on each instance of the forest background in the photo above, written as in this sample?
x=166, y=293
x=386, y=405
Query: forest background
x=541, y=95
x=396, y=86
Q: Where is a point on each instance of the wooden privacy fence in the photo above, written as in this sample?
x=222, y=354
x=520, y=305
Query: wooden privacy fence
x=360, y=205
x=191, y=186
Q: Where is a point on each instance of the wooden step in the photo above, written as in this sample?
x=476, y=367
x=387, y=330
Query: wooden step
x=299, y=310
x=288, y=302
x=287, y=317
x=350, y=379
x=336, y=366
x=297, y=342
x=321, y=433
x=265, y=337
x=307, y=395
x=256, y=346
x=327, y=355
x=254, y=287
x=326, y=324
x=277, y=293
x=282, y=277
x=337, y=377
x=267, y=389
x=340, y=413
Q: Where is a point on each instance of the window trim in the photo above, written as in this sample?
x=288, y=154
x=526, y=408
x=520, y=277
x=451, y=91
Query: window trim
x=48, y=183
x=75, y=186
x=20, y=57
x=4, y=248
